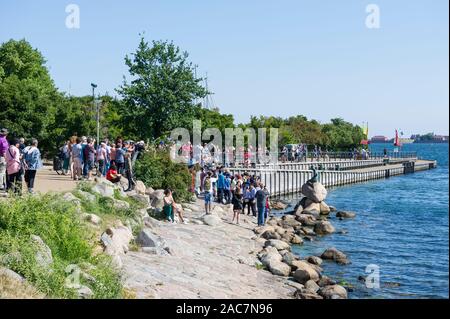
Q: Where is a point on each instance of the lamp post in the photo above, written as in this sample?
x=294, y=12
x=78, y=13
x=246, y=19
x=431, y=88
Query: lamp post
x=97, y=105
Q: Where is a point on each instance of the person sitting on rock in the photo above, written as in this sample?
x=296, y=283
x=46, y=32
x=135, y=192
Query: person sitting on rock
x=170, y=207
x=112, y=174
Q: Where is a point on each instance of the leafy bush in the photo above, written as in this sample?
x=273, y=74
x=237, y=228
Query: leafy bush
x=70, y=240
x=156, y=169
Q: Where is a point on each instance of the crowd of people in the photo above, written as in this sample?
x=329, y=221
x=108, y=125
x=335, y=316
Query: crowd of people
x=113, y=160
x=18, y=161
x=246, y=193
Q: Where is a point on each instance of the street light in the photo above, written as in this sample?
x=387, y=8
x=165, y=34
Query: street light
x=97, y=105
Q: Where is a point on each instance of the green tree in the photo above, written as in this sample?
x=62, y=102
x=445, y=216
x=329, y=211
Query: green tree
x=160, y=95
x=28, y=96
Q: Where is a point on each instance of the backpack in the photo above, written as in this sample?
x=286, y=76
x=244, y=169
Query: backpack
x=207, y=184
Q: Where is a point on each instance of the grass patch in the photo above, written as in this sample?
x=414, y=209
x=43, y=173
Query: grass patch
x=70, y=240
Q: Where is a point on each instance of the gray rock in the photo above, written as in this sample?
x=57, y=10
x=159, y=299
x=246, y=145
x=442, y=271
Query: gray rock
x=306, y=220
x=288, y=258
x=140, y=188
x=69, y=197
x=326, y=281
x=314, y=260
x=297, y=240
x=324, y=227
x=313, y=212
x=314, y=191
x=324, y=208
x=212, y=220
x=333, y=292
x=304, y=272
x=43, y=254
x=345, y=214
x=157, y=198
x=279, y=268
x=144, y=199
x=304, y=294
x=104, y=190
x=278, y=244
x=11, y=275
x=336, y=255
x=120, y=204
x=87, y=196
x=311, y=286
x=147, y=239
x=93, y=219
x=270, y=234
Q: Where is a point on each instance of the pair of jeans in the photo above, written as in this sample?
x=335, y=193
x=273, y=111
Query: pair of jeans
x=101, y=167
x=250, y=203
x=220, y=193
x=30, y=176
x=261, y=214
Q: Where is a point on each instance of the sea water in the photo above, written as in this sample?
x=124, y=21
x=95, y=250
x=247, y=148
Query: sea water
x=400, y=232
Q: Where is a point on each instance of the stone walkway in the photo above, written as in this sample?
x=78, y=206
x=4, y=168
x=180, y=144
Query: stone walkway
x=206, y=262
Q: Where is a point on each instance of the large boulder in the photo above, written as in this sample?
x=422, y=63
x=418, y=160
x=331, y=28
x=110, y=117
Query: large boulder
x=289, y=221
x=326, y=281
x=278, y=205
x=305, y=294
x=314, y=191
x=278, y=244
x=270, y=234
x=144, y=199
x=333, y=292
x=314, y=260
x=115, y=241
x=304, y=272
x=104, y=190
x=324, y=227
x=270, y=254
x=262, y=229
x=311, y=286
x=336, y=255
x=43, y=255
x=296, y=240
x=345, y=214
x=278, y=268
x=324, y=208
x=157, y=198
x=310, y=205
x=140, y=188
x=148, y=239
x=306, y=220
x=212, y=220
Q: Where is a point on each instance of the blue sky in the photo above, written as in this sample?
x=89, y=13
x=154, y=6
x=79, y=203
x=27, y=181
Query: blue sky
x=282, y=58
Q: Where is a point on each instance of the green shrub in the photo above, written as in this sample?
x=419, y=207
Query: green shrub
x=156, y=169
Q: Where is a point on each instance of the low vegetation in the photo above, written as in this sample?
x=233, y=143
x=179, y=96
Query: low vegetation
x=72, y=242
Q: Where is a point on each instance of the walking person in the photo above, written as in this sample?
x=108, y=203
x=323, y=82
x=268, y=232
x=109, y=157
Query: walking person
x=4, y=146
x=33, y=162
x=14, y=168
x=220, y=186
x=120, y=158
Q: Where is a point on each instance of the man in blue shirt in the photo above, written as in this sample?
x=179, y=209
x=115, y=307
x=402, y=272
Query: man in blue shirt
x=220, y=186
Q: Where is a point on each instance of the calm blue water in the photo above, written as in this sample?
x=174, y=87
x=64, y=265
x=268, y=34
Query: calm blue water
x=401, y=226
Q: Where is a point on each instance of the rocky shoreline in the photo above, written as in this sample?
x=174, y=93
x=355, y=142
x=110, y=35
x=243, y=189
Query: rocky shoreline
x=210, y=257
